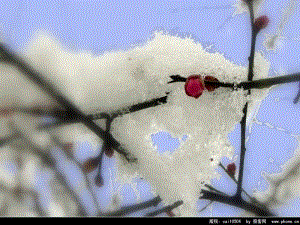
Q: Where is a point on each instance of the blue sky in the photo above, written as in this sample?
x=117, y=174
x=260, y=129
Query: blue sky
x=101, y=26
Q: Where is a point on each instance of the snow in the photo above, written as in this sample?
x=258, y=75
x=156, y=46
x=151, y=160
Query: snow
x=120, y=79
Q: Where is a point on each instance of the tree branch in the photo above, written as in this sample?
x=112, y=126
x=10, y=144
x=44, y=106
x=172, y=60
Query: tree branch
x=66, y=117
x=233, y=178
x=165, y=209
x=237, y=202
x=254, y=84
x=49, y=161
x=45, y=85
x=133, y=208
x=243, y=121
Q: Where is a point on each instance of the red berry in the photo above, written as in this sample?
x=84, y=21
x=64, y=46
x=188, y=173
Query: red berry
x=231, y=168
x=194, y=86
x=260, y=23
x=211, y=87
x=109, y=152
x=90, y=165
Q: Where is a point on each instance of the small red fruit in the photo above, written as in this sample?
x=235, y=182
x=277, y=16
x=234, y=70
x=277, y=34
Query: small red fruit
x=90, y=165
x=231, y=168
x=211, y=87
x=194, y=86
x=260, y=23
x=109, y=151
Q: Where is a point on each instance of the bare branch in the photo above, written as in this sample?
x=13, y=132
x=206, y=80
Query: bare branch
x=45, y=85
x=237, y=202
x=133, y=208
x=243, y=121
x=165, y=209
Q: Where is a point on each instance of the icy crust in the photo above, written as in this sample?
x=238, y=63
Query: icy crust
x=118, y=79
x=115, y=80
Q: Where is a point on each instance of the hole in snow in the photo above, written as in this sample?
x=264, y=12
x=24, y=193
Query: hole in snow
x=165, y=142
x=184, y=137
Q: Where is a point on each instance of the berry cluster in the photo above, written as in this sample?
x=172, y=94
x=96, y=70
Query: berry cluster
x=195, y=85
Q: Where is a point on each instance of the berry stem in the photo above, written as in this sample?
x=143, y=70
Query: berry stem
x=253, y=84
x=234, y=179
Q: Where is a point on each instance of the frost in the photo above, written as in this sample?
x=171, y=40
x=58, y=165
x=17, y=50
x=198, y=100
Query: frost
x=55, y=210
x=207, y=121
x=116, y=80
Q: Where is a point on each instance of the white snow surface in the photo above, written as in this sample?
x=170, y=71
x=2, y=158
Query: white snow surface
x=119, y=79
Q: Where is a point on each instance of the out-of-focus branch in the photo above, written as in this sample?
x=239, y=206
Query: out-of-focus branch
x=291, y=173
x=34, y=76
x=6, y=140
x=49, y=161
x=61, y=146
x=17, y=194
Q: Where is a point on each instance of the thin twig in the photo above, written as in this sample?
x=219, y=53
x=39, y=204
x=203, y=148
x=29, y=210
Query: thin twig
x=133, y=208
x=205, y=207
x=296, y=99
x=165, y=209
x=214, y=189
x=243, y=121
x=237, y=202
x=234, y=179
x=65, y=117
x=247, y=85
x=45, y=85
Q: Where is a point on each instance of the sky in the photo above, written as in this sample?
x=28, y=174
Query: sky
x=103, y=26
